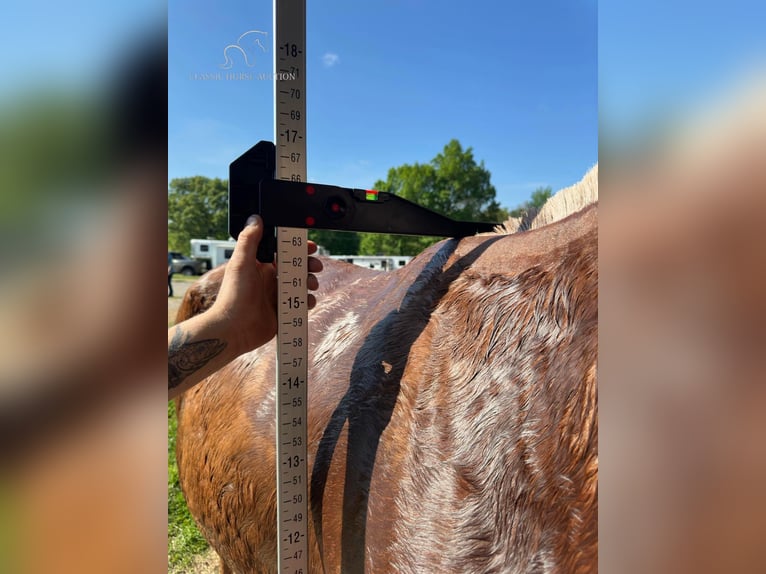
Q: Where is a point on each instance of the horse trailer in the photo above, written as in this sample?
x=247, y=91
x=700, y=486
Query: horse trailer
x=212, y=252
x=380, y=262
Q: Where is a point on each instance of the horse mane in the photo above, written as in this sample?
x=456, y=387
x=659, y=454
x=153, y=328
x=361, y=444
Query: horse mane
x=563, y=204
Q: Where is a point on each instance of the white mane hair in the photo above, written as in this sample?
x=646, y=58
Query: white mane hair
x=564, y=203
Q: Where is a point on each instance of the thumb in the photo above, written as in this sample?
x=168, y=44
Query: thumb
x=246, y=250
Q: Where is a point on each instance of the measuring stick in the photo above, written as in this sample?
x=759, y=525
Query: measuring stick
x=292, y=271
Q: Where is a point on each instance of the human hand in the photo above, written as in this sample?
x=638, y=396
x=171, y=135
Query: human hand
x=247, y=300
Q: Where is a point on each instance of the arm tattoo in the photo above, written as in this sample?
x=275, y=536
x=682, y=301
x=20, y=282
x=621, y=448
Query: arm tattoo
x=184, y=358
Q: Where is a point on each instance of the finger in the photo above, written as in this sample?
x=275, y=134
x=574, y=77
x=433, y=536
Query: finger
x=312, y=247
x=312, y=301
x=312, y=282
x=315, y=265
x=246, y=250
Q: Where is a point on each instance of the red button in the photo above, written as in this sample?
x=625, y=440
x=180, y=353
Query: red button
x=310, y=189
x=335, y=207
x=310, y=221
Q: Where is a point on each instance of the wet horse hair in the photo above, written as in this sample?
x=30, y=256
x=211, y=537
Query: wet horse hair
x=452, y=415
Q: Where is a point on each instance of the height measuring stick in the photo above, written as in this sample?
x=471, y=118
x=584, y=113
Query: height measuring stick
x=292, y=269
x=270, y=179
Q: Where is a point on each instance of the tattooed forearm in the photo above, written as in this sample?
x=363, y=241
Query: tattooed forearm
x=184, y=358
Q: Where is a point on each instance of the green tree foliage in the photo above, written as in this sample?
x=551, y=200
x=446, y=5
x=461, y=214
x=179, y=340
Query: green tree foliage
x=198, y=207
x=452, y=184
x=538, y=199
x=337, y=242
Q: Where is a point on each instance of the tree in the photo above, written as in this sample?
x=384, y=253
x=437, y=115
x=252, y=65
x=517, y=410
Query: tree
x=336, y=242
x=532, y=207
x=452, y=184
x=198, y=207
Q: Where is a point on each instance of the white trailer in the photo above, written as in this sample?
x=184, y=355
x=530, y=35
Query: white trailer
x=381, y=262
x=215, y=252
x=212, y=252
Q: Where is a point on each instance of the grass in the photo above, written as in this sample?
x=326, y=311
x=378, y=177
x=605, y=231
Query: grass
x=186, y=278
x=188, y=551
x=184, y=540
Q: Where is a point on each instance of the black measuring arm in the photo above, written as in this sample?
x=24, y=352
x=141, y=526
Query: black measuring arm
x=253, y=189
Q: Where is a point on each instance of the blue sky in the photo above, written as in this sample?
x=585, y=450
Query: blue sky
x=69, y=45
x=391, y=82
x=658, y=59
x=517, y=81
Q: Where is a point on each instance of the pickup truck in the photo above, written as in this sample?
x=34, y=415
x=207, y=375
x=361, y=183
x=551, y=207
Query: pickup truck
x=184, y=265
